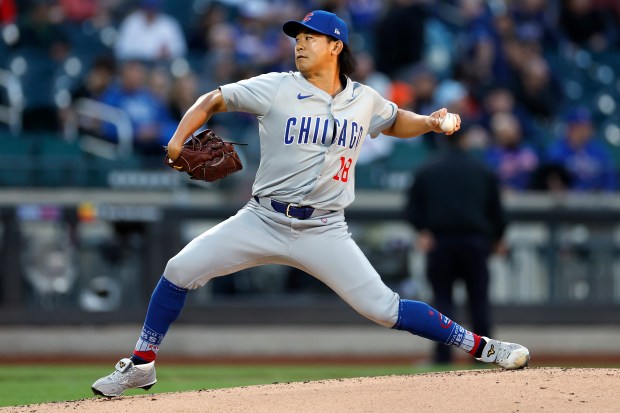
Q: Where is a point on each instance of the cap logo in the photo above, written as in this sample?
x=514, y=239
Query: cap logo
x=336, y=31
x=308, y=16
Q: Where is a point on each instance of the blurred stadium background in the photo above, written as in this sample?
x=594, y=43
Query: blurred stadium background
x=89, y=215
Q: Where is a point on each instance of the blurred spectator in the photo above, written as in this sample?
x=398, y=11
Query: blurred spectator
x=550, y=177
x=504, y=57
x=159, y=83
x=584, y=25
x=536, y=90
x=400, y=36
x=150, y=35
x=477, y=140
x=152, y=123
x=219, y=66
x=97, y=80
x=366, y=73
x=206, y=22
x=454, y=204
x=183, y=94
x=483, y=58
x=611, y=8
x=364, y=15
x=586, y=160
x=424, y=83
x=39, y=29
x=79, y=10
x=401, y=93
x=455, y=96
x=513, y=162
x=256, y=42
x=534, y=21
x=8, y=11
x=500, y=99
x=282, y=60
x=249, y=37
x=43, y=45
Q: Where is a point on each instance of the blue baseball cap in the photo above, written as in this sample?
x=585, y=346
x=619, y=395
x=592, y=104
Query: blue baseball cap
x=578, y=114
x=319, y=21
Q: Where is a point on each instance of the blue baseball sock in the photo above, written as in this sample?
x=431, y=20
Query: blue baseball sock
x=423, y=320
x=165, y=306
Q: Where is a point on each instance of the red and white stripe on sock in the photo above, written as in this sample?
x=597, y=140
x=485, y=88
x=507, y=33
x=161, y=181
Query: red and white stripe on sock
x=148, y=344
x=471, y=343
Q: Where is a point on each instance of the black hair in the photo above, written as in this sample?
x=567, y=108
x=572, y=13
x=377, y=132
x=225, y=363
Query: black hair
x=105, y=62
x=347, y=61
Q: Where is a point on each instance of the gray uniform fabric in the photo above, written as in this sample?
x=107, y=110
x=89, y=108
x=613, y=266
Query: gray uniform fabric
x=321, y=246
x=309, y=145
x=304, y=133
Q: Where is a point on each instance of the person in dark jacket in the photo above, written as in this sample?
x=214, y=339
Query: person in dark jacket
x=455, y=206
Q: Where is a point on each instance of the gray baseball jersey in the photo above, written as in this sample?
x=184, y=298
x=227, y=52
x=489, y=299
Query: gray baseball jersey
x=309, y=141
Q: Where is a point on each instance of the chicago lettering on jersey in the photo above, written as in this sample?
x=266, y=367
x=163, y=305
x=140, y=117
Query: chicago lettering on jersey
x=315, y=130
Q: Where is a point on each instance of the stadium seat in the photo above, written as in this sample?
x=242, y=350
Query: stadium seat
x=101, y=169
x=61, y=163
x=15, y=161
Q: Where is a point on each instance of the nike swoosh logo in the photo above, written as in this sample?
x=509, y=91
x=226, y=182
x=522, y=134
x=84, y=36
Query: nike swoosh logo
x=300, y=96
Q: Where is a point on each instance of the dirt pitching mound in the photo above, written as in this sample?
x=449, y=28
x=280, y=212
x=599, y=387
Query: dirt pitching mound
x=529, y=390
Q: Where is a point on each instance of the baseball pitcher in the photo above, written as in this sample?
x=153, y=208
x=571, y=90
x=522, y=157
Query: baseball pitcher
x=312, y=124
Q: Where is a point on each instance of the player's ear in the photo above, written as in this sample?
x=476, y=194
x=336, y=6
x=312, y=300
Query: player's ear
x=337, y=47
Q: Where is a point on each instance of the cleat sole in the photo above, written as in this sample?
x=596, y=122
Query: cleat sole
x=147, y=387
x=99, y=393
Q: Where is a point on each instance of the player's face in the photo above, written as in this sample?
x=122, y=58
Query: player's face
x=312, y=51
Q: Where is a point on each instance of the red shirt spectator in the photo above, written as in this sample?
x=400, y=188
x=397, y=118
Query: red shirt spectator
x=79, y=10
x=8, y=11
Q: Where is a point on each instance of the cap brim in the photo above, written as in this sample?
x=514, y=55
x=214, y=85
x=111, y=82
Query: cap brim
x=292, y=28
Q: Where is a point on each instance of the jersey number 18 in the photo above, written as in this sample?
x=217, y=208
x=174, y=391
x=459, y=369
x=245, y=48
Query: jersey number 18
x=343, y=172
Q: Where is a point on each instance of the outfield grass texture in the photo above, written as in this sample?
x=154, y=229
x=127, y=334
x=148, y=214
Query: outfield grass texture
x=26, y=384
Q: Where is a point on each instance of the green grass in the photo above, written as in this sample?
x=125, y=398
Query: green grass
x=27, y=384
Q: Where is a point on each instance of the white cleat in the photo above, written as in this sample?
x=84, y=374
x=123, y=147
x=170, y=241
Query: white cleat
x=126, y=376
x=510, y=356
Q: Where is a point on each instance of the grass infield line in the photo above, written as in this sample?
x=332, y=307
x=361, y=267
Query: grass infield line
x=27, y=383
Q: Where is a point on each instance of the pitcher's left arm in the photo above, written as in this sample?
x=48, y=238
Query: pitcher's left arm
x=410, y=124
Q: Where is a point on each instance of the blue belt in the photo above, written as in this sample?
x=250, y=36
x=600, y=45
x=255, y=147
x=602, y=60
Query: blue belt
x=290, y=210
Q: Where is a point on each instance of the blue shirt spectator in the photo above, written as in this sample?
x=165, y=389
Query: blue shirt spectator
x=513, y=166
x=513, y=162
x=152, y=123
x=534, y=21
x=586, y=160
